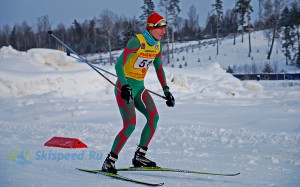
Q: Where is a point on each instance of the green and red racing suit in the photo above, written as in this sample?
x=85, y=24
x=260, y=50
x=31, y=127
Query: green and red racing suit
x=131, y=68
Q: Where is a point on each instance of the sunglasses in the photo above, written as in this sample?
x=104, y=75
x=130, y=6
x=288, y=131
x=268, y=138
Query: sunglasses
x=161, y=23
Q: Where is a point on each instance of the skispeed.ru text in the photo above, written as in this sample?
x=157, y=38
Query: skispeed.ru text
x=59, y=156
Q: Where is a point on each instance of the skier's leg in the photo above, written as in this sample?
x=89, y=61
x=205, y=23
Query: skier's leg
x=145, y=104
x=129, y=121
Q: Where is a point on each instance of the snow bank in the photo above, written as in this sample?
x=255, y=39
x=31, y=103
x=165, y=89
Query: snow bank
x=43, y=59
x=254, y=86
x=40, y=71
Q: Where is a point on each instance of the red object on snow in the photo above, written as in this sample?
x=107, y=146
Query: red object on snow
x=65, y=142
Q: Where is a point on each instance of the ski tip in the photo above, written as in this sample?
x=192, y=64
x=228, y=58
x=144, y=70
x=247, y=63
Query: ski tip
x=158, y=184
x=50, y=32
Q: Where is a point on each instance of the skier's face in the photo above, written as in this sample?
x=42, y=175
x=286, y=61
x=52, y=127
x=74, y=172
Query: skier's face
x=158, y=32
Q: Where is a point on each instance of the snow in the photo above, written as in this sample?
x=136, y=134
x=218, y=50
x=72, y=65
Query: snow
x=219, y=123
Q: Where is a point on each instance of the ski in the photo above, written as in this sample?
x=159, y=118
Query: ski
x=120, y=177
x=174, y=170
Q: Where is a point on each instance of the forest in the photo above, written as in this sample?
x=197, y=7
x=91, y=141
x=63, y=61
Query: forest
x=108, y=31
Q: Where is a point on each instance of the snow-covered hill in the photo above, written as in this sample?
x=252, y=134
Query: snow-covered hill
x=219, y=124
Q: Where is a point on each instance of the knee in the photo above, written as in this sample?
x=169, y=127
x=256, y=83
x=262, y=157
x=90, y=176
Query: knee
x=129, y=130
x=155, y=121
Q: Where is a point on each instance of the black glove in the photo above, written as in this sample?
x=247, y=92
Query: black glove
x=169, y=97
x=126, y=93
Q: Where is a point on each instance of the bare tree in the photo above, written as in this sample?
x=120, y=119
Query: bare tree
x=6, y=32
x=26, y=35
x=193, y=18
x=43, y=26
x=106, y=23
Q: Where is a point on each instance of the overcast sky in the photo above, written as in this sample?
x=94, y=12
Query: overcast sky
x=65, y=11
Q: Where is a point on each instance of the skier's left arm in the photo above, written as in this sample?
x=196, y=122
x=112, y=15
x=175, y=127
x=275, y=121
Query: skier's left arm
x=158, y=64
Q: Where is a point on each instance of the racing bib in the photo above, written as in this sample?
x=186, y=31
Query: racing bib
x=137, y=65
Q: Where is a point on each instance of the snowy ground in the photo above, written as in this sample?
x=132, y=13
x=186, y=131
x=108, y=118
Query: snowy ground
x=219, y=124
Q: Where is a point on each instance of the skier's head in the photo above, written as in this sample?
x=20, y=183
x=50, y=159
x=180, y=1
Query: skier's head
x=156, y=25
x=154, y=21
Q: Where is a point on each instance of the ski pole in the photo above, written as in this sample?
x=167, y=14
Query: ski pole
x=93, y=65
x=80, y=58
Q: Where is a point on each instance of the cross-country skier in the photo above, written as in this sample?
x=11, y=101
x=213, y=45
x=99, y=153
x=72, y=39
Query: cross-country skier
x=141, y=51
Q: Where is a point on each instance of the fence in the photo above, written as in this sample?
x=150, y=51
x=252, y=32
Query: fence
x=286, y=76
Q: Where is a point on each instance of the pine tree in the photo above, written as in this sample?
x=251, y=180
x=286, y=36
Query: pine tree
x=164, y=4
x=242, y=7
x=295, y=15
x=260, y=14
x=267, y=69
x=288, y=42
x=249, y=10
x=78, y=31
x=174, y=10
x=234, y=22
x=148, y=9
x=267, y=12
x=274, y=19
x=127, y=33
x=229, y=70
x=218, y=8
x=12, y=38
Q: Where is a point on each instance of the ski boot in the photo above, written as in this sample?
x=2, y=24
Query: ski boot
x=109, y=163
x=140, y=160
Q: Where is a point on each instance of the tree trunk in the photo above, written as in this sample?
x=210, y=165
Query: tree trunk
x=250, y=50
x=249, y=36
x=298, y=35
x=234, y=38
x=272, y=43
x=217, y=36
x=243, y=34
x=168, y=48
x=173, y=40
x=286, y=58
x=109, y=47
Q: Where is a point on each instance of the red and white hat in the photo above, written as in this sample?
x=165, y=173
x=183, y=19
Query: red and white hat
x=155, y=20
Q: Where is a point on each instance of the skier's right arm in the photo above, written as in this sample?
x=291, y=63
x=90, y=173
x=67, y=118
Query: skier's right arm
x=132, y=46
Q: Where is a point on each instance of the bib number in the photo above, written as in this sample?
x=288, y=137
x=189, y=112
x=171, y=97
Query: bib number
x=142, y=63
